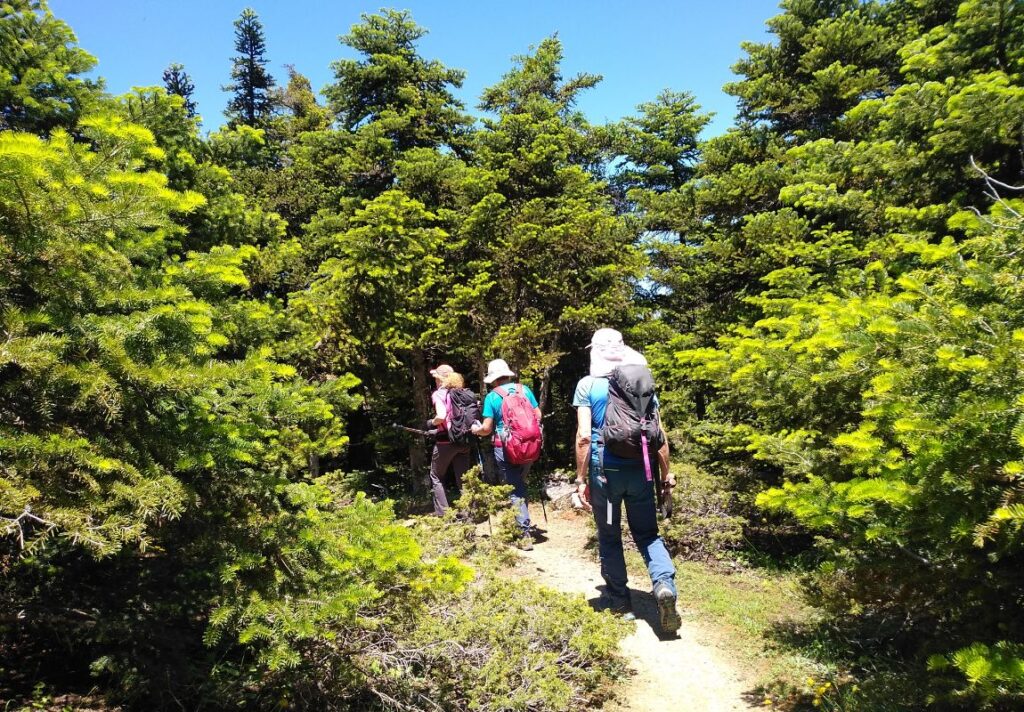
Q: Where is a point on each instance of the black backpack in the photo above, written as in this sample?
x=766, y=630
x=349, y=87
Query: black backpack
x=631, y=412
x=463, y=409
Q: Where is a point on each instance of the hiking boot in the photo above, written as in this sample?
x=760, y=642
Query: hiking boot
x=668, y=616
x=525, y=543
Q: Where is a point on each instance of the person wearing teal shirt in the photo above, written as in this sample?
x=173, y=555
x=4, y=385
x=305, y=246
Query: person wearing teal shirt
x=500, y=376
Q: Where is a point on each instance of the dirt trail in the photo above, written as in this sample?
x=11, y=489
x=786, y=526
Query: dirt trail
x=683, y=674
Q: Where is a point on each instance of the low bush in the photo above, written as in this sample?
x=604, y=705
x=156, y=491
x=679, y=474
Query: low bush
x=703, y=524
x=510, y=645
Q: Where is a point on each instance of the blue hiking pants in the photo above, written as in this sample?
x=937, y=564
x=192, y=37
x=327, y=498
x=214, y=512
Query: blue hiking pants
x=515, y=475
x=610, y=486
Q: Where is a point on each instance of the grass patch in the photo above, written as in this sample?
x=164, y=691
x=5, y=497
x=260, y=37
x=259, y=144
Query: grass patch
x=747, y=608
x=744, y=610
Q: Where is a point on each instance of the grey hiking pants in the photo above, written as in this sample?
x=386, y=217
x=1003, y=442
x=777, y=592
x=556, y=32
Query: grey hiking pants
x=445, y=454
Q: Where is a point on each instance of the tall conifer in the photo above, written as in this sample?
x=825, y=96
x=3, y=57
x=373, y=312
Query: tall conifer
x=177, y=81
x=251, y=103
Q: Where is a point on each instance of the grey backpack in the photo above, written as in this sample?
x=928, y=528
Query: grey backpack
x=631, y=414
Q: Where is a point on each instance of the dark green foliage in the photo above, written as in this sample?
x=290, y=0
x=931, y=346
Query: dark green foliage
x=251, y=83
x=704, y=524
x=392, y=101
x=512, y=645
x=479, y=500
x=546, y=242
x=190, y=326
x=175, y=389
x=40, y=83
x=177, y=81
x=857, y=317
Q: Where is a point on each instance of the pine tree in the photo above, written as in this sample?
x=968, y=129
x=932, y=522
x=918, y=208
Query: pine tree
x=41, y=86
x=177, y=81
x=252, y=103
x=860, y=230
x=551, y=260
x=395, y=162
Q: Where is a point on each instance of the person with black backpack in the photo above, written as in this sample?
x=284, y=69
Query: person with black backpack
x=455, y=409
x=622, y=457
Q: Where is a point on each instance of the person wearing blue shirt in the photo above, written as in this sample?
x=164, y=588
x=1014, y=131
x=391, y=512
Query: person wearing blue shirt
x=500, y=376
x=606, y=481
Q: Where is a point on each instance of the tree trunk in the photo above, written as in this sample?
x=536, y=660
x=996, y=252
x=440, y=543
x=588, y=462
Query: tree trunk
x=701, y=403
x=481, y=372
x=545, y=389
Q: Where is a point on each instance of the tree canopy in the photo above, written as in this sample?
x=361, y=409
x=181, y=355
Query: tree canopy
x=206, y=338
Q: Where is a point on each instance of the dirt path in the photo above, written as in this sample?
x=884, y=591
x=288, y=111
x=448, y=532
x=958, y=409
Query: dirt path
x=685, y=673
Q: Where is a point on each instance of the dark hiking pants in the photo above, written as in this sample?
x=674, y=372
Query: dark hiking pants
x=610, y=488
x=445, y=454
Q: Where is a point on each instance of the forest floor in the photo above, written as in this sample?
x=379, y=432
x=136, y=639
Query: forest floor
x=694, y=671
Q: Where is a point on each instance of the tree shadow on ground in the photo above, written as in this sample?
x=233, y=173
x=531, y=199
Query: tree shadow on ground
x=867, y=670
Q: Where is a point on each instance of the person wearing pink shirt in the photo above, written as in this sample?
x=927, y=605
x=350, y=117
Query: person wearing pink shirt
x=445, y=451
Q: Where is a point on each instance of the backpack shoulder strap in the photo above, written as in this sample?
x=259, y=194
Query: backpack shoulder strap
x=502, y=394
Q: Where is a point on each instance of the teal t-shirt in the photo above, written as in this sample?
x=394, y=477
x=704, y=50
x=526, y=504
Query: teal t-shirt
x=492, y=404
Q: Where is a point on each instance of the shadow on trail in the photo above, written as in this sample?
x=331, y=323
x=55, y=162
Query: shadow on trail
x=538, y=534
x=645, y=609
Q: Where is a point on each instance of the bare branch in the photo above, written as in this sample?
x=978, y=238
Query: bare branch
x=992, y=181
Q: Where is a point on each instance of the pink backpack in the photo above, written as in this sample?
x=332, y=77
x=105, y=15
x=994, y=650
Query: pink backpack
x=522, y=439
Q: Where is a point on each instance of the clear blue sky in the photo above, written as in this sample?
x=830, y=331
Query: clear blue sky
x=639, y=47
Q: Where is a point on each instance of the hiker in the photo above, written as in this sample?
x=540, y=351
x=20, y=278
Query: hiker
x=516, y=443
x=605, y=480
x=445, y=451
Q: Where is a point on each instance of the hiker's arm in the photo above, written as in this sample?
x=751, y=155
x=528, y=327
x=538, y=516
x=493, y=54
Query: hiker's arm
x=486, y=428
x=583, y=455
x=439, y=411
x=668, y=479
x=582, y=443
x=536, y=411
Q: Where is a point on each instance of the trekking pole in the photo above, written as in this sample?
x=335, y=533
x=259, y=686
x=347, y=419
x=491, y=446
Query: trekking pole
x=665, y=509
x=543, y=489
x=480, y=459
x=664, y=504
x=416, y=431
x=543, y=507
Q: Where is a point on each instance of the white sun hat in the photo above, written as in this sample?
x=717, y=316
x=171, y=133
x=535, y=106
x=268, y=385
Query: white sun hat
x=498, y=369
x=608, y=351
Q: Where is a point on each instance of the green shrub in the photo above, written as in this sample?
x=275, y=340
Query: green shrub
x=703, y=525
x=480, y=500
x=510, y=645
x=995, y=674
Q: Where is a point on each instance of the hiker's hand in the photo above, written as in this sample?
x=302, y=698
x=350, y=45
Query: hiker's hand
x=583, y=490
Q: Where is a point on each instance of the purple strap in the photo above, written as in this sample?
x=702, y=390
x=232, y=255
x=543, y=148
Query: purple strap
x=647, y=459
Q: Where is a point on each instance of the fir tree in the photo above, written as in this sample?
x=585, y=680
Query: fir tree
x=546, y=242
x=860, y=229
x=399, y=116
x=252, y=102
x=41, y=85
x=177, y=81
